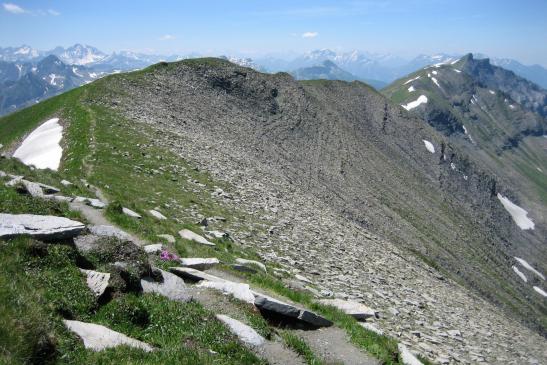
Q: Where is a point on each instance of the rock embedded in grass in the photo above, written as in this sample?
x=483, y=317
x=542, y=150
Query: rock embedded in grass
x=289, y=312
x=43, y=227
x=199, y=263
x=246, y=334
x=191, y=236
x=96, y=281
x=169, y=238
x=170, y=286
x=156, y=214
x=98, y=338
x=251, y=263
x=131, y=213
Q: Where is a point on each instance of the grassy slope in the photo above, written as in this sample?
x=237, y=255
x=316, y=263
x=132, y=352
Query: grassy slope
x=107, y=151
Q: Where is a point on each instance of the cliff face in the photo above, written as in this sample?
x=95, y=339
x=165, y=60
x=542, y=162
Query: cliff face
x=357, y=152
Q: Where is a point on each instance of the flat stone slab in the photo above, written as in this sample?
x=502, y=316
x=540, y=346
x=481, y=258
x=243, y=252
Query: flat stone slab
x=169, y=238
x=32, y=188
x=355, y=309
x=372, y=327
x=191, y=236
x=408, y=357
x=155, y=248
x=44, y=227
x=92, y=202
x=172, y=287
x=246, y=334
x=194, y=275
x=131, y=213
x=290, y=311
x=96, y=281
x=156, y=214
x=251, y=263
x=109, y=231
x=239, y=291
x=199, y=263
x=97, y=337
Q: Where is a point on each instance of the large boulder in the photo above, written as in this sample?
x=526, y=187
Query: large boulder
x=42, y=227
x=97, y=337
x=168, y=285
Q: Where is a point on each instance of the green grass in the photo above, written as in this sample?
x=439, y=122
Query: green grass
x=300, y=347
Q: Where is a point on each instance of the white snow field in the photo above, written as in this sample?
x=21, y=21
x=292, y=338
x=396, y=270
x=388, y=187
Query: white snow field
x=429, y=146
x=414, y=79
x=411, y=89
x=529, y=267
x=520, y=274
x=519, y=215
x=41, y=148
x=540, y=291
x=422, y=99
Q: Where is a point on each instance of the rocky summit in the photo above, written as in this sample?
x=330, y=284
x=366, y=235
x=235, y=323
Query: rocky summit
x=291, y=212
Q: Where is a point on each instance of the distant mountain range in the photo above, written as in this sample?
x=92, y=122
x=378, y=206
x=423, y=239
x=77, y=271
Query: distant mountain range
x=23, y=79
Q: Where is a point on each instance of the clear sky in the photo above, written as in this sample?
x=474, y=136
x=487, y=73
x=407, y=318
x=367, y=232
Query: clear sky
x=503, y=28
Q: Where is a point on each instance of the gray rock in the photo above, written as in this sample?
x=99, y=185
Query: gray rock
x=109, y=231
x=194, y=275
x=199, y=263
x=244, y=268
x=155, y=248
x=408, y=357
x=246, y=334
x=66, y=183
x=290, y=311
x=239, y=291
x=167, y=237
x=191, y=236
x=93, y=202
x=42, y=227
x=171, y=287
x=157, y=215
x=131, y=213
x=252, y=263
x=96, y=281
x=357, y=310
x=97, y=337
x=32, y=188
x=372, y=327
x=14, y=180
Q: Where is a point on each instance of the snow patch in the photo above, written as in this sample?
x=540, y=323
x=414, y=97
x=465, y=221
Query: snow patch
x=422, y=99
x=452, y=166
x=540, y=291
x=492, y=92
x=411, y=89
x=52, y=78
x=429, y=146
x=435, y=81
x=519, y=215
x=41, y=148
x=434, y=72
x=529, y=267
x=464, y=129
x=75, y=71
x=520, y=274
x=512, y=106
x=458, y=71
x=414, y=79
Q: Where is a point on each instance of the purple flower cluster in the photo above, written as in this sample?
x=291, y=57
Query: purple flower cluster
x=168, y=256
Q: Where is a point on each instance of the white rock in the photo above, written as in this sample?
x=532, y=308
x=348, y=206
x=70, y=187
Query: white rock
x=189, y=235
x=239, y=291
x=199, y=263
x=246, y=262
x=96, y=281
x=407, y=357
x=245, y=333
x=93, y=202
x=131, y=213
x=172, y=287
x=41, y=148
x=216, y=234
x=97, y=337
x=157, y=214
x=66, y=182
x=194, y=274
x=354, y=309
x=155, y=248
x=39, y=226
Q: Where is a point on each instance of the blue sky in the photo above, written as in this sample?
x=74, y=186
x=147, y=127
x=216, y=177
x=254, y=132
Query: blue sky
x=514, y=29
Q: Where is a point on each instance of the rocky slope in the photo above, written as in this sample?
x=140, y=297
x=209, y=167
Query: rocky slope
x=348, y=195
